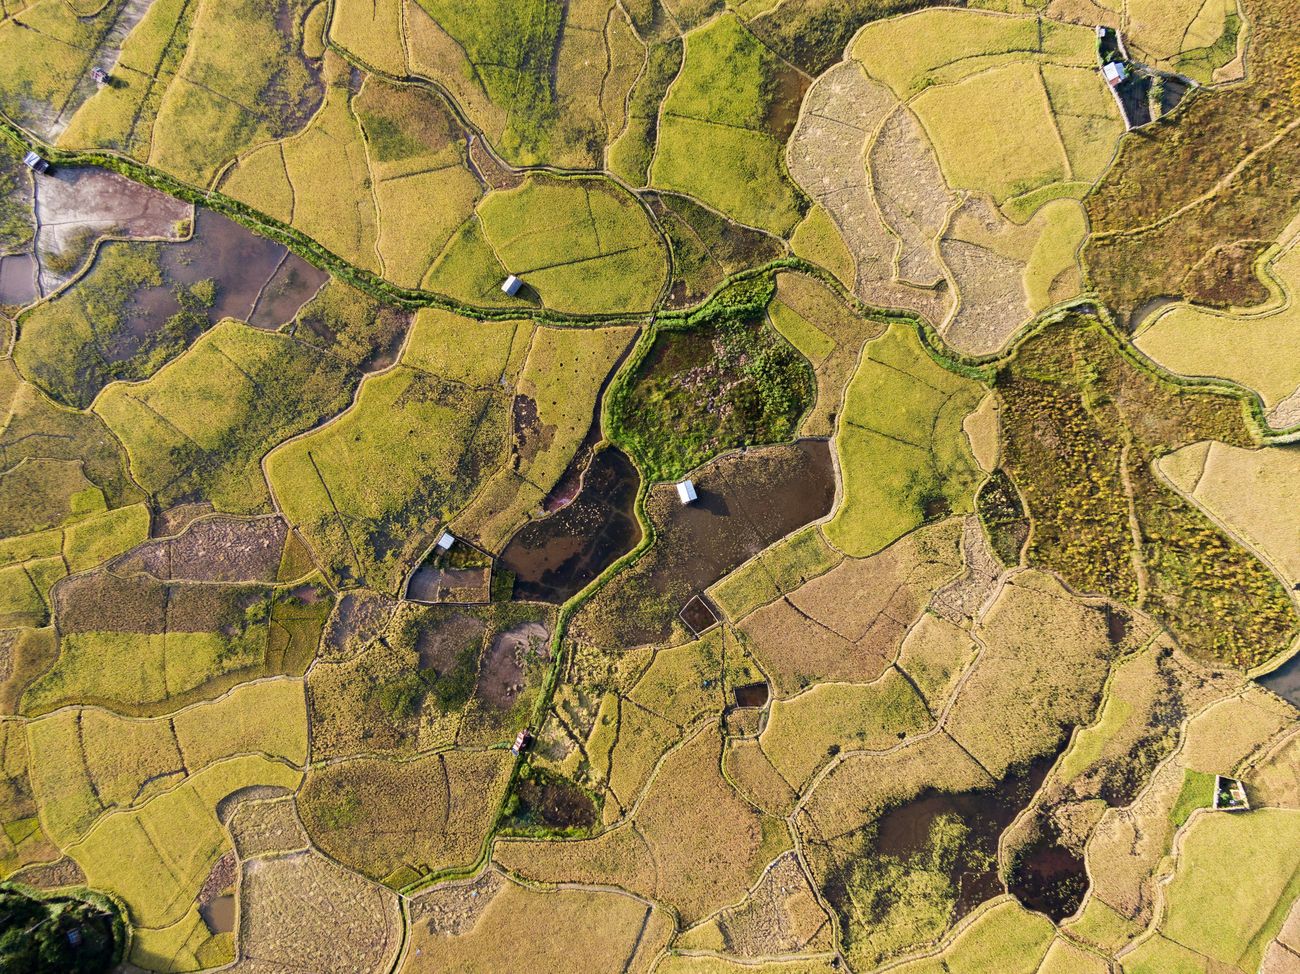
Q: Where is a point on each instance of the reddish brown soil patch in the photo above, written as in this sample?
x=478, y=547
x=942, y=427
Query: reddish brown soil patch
x=219, y=549
x=441, y=645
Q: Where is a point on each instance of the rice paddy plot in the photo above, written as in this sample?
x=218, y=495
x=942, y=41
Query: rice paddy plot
x=368, y=489
x=903, y=455
x=741, y=132
x=580, y=244
x=199, y=428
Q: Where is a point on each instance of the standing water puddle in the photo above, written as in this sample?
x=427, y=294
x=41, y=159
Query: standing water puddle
x=219, y=914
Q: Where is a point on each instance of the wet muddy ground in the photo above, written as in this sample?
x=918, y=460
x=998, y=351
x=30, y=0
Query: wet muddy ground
x=501, y=678
x=77, y=205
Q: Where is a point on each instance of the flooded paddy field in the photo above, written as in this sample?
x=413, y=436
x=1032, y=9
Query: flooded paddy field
x=557, y=556
x=747, y=500
x=76, y=206
x=257, y=280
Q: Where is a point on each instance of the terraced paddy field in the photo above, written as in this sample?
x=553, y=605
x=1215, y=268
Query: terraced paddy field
x=649, y=487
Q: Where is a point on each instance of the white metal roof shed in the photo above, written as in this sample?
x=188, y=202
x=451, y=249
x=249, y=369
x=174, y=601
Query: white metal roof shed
x=686, y=491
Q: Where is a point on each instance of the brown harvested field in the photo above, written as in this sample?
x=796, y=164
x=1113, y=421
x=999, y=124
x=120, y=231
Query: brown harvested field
x=1045, y=658
x=261, y=826
x=1275, y=776
x=520, y=929
x=825, y=156
x=299, y=910
x=911, y=195
x=358, y=618
x=781, y=915
x=430, y=813
x=216, y=549
x=963, y=599
x=848, y=623
x=693, y=844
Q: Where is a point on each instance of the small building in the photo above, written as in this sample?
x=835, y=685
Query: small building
x=686, y=492
x=1101, y=31
x=100, y=76
x=446, y=540
x=512, y=285
x=36, y=164
x=75, y=937
x=522, y=741
x=1115, y=73
x=1230, y=795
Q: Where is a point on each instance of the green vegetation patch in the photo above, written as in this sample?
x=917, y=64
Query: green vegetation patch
x=59, y=934
x=17, y=223
x=1003, y=516
x=511, y=47
x=1083, y=425
x=904, y=457
x=54, y=438
x=725, y=379
x=93, y=334
x=1197, y=792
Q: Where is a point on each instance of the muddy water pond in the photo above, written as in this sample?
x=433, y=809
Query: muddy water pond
x=18, y=279
x=252, y=274
x=905, y=831
x=1049, y=878
x=751, y=695
x=557, y=556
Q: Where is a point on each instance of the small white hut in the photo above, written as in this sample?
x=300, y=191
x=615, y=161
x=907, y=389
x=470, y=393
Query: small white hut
x=511, y=285
x=446, y=540
x=686, y=492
